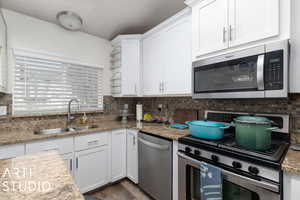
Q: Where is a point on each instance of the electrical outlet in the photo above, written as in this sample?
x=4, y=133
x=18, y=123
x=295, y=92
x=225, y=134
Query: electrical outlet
x=160, y=107
x=3, y=110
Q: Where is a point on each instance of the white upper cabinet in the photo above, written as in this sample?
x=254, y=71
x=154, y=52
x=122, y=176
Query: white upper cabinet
x=3, y=54
x=125, y=66
x=222, y=24
x=152, y=72
x=210, y=26
x=166, y=68
x=251, y=20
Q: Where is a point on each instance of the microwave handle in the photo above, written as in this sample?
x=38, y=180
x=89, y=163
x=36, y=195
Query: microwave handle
x=260, y=72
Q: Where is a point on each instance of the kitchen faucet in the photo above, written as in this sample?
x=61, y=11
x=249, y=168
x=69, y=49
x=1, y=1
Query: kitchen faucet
x=70, y=117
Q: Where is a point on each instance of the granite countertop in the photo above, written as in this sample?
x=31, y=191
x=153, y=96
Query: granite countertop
x=40, y=176
x=27, y=135
x=291, y=163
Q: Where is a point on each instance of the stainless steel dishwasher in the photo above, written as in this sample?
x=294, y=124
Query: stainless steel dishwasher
x=155, y=166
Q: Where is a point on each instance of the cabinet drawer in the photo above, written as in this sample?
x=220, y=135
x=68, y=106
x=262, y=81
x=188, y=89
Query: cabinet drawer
x=62, y=145
x=90, y=141
x=11, y=151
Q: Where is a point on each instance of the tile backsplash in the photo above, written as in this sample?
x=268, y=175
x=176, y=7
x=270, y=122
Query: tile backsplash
x=289, y=106
x=112, y=106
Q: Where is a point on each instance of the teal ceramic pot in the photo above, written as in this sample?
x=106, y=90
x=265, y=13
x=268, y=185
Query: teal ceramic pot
x=207, y=129
x=253, y=132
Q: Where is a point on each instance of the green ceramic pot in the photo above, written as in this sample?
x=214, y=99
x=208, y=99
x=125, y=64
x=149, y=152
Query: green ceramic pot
x=253, y=132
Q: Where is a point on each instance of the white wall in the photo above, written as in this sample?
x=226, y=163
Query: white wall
x=29, y=33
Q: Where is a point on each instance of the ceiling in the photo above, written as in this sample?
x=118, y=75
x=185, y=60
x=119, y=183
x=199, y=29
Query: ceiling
x=103, y=18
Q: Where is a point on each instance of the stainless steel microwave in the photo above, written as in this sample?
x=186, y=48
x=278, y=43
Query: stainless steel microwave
x=258, y=72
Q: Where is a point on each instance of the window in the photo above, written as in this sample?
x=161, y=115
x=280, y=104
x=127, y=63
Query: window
x=46, y=85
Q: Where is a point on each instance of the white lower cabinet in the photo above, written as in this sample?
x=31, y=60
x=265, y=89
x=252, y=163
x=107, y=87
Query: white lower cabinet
x=132, y=155
x=118, y=154
x=68, y=159
x=291, y=185
x=93, y=159
x=11, y=151
x=91, y=168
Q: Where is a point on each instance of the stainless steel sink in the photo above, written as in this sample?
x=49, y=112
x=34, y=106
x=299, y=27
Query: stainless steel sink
x=79, y=128
x=51, y=131
x=63, y=130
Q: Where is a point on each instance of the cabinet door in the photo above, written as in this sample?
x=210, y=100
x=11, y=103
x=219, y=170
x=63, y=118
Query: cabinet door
x=118, y=155
x=130, y=67
x=209, y=27
x=91, y=168
x=132, y=155
x=11, y=151
x=291, y=185
x=3, y=55
x=177, y=71
x=251, y=20
x=152, y=65
x=68, y=159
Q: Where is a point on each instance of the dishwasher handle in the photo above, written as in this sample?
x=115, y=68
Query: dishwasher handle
x=154, y=146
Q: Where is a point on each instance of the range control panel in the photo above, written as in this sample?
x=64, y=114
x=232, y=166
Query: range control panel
x=237, y=164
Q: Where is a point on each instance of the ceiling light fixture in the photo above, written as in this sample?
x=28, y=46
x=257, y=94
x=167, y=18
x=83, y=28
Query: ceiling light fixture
x=69, y=20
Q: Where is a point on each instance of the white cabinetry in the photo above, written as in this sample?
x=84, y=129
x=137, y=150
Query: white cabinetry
x=125, y=65
x=91, y=168
x=69, y=162
x=11, y=151
x=118, y=154
x=295, y=48
x=3, y=53
x=209, y=25
x=291, y=184
x=92, y=157
x=222, y=24
x=167, y=57
x=132, y=155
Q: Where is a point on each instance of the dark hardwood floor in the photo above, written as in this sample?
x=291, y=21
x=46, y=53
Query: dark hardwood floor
x=123, y=190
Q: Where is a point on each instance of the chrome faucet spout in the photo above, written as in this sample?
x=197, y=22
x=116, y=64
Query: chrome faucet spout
x=70, y=117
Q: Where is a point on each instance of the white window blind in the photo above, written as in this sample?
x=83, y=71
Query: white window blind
x=46, y=86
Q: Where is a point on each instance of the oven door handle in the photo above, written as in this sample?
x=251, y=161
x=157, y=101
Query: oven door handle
x=263, y=184
x=260, y=72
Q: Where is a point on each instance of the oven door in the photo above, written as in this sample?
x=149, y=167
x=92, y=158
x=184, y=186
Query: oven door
x=235, y=186
x=239, y=75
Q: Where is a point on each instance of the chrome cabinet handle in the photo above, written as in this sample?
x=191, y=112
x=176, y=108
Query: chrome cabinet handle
x=230, y=33
x=224, y=34
x=260, y=72
x=133, y=142
x=77, y=163
x=154, y=146
x=52, y=149
x=71, y=164
x=135, y=89
x=94, y=142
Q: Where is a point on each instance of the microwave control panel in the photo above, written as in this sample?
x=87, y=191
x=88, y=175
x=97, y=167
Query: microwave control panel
x=273, y=70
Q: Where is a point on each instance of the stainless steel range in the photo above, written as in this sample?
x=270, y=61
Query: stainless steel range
x=247, y=174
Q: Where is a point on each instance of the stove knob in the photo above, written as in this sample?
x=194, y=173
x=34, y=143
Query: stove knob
x=197, y=152
x=188, y=150
x=236, y=165
x=215, y=158
x=253, y=170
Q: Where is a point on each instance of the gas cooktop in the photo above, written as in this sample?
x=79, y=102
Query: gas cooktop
x=278, y=146
x=227, y=145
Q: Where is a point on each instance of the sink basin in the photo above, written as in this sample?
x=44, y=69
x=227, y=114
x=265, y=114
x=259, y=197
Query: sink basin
x=80, y=128
x=62, y=130
x=51, y=131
